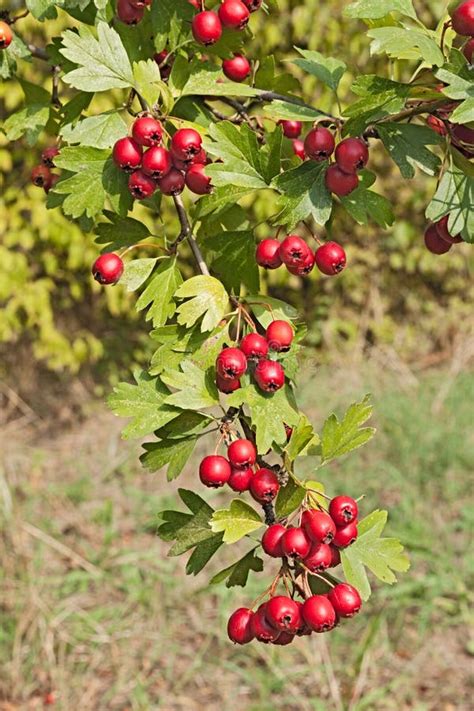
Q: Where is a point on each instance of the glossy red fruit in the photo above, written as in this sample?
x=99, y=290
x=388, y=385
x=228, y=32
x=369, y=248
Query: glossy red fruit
x=295, y=543
x=240, y=479
x=319, y=557
x=280, y=335
x=442, y=229
x=196, y=179
x=48, y=156
x=227, y=385
x=319, y=144
x=352, y=155
x=345, y=599
x=319, y=614
x=162, y=57
x=335, y=556
x=330, y=258
x=267, y=254
x=237, y=69
x=231, y=363
x=434, y=243
x=298, y=149
x=468, y=50
x=242, y=453
x=206, y=28
x=156, y=162
x=141, y=185
x=271, y=540
x=108, y=268
x=172, y=183
x=291, y=129
x=253, y=345
x=214, y=471
x=41, y=176
x=318, y=525
x=127, y=154
x=340, y=183
x=302, y=268
x=269, y=375
x=343, y=510
x=294, y=251
x=463, y=18
x=195, y=3
x=52, y=183
x=140, y=3
x=147, y=131
x=437, y=125
x=128, y=14
x=264, y=486
x=186, y=143
x=261, y=628
x=239, y=627
x=303, y=628
x=6, y=35
x=252, y=5
x=346, y=536
x=284, y=638
x=234, y=14
x=283, y=613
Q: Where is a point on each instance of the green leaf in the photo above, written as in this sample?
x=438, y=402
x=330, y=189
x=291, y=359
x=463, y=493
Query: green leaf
x=120, y=231
x=381, y=556
x=202, y=554
x=43, y=9
x=175, y=453
x=97, y=131
x=379, y=98
x=303, y=194
x=404, y=43
x=196, y=389
x=221, y=199
x=376, y=9
x=364, y=205
x=459, y=87
x=455, y=196
x=171, y=23
x=279, y=310
x=148, y=81
x=210, y=301
x=293, y=112
x=237, y=521
x=187, y=530
x=144, y=403
x=239, y=150
x=289, y=498
x=206, y=80
x=232, y=258
x=326, y=69
x=238, y=572
x=340, y=437
x=158, y=296
x=137, y=272
x=28, y=122
x=302, y=437
x=407, y=143
x=187, y=424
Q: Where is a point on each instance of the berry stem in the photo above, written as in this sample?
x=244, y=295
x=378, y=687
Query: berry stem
x=187, y=233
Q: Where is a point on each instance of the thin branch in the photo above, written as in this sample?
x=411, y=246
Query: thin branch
x=38, y=52
x=19, y=17
x=187, y=233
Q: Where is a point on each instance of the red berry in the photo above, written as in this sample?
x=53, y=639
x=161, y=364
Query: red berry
x=206, y=28
x=294, y=251
x=147, y=131
x=298, y=149
x=352, y=155
x=237, y=69
x=271, y=540
x=239, y=627
x=442, y=229
x=242, y=453
x=330, y=258
x=318, y=525
x=269, y=375
x=227, y=385
x=127, y=154
x=437, y=125
x=140, y=3
x=289, y=432
x=468, y=50
x=319, y=614
x=280, y=335
x=319, y=557
x=128, y=14
x=240, y=479
x=434, y=243
x=161, y=57
x=197, y=181
x=302, y=268
x=264, y=486
x=252, y=5
x=319, y=144
x=295, y=543
x=52, y=183
x=261, y=628
x=340, y=183
x=343, y=510
x=41, y=176
x=172, y=183
x=156, y=162
x=463, y=18
x=234, y=14
x=186, y=143
x=291, y=129
x=231, y=363
x=48, y=156
x=108, y=268
x=195, y=3
x=6, y=35
x=284, y=638
x=140, y=185
x=283, y=613
x=346, y=536
x=303, y=629
x=345, y=599
x=214, y=471
x=335, y=556
x=267, y=254
x=253, y=345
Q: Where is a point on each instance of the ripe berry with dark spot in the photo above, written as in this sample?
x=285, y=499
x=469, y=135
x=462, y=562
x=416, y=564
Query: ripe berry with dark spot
x=239, y=627
x=302, y=268
x=352, y=155
x=271, y=540
x=227, y=385
x=343, y=510
x=197, y=181
x=128, y=14
x=214, y=471
x=48, y=156
x=253, y=345
x=319, y=614
x=172, y=183
x=280, y=335
x=318, y=525
x=463, y=18
x=319, y=557
x=233, y=14
x=108, y=268
x=283, y=613
x=41, y=176
x=345, y=599
x=295, y=543
x=298, y=149
x=231, y=363
x=127, y=154
x=186, y=143
x=346, y=536
x=206, y=28
x=330, y=258
x=264, y=486
x=442, y=229
x=339, y=182
x=141, y=185
x=147, y=131
x=260, y=626
x=156, y=162
x=6, y=35
x=434, y=243
x=294, y=251
x=291, y=129
x=237, y=69
x=267, y=254
x=242, y=453
x=269, y=376
x=240, y=479
x=319, y=144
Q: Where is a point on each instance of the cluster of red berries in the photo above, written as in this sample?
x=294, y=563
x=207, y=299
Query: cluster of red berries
x=462, y=18
x=351, y=155
x=299, y=259
x=42, y=175
x=252, y=354
x=151, y=166
x=438, y=239
x=6, y=35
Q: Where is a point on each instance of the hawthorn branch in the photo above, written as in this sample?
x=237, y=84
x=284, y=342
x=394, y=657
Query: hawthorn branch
x=38, y=52
x=187, y=233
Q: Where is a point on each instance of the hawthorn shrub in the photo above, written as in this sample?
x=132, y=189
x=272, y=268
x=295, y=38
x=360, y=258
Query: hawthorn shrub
x=196, y=123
